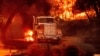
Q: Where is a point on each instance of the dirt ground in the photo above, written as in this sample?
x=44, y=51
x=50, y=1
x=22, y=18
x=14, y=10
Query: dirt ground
x=4, y=52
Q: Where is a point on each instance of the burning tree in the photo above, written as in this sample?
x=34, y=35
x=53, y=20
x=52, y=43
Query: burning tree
x=66, y=9
x=86, y=5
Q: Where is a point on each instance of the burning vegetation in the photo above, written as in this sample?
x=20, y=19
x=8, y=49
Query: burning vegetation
x=66, y=9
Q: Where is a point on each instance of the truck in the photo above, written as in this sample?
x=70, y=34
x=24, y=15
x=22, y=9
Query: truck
x=46, y=28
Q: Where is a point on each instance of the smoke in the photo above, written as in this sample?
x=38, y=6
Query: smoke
x=25, y=8
x=26, y=5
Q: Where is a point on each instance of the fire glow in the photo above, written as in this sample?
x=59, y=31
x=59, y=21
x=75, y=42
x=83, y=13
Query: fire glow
x=63, y=9
x=29, y=35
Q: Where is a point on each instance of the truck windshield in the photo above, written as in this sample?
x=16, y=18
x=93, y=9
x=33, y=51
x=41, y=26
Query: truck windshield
x=45, y=20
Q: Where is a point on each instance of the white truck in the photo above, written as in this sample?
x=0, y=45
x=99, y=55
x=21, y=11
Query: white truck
x=46, y=28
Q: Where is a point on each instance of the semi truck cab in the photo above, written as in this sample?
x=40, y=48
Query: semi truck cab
x=46, y=28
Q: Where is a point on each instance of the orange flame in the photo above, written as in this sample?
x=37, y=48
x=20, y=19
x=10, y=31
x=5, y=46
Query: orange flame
x=29, y=35
x=63, y=9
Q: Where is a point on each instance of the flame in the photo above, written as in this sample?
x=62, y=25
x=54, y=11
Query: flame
x=29, y=35
x=83, y=15
x=63, y=9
